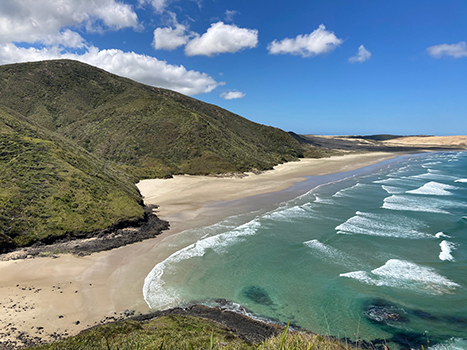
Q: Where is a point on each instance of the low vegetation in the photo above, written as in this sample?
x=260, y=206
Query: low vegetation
x=184, y=332
x=147, y=131
x=50, y=188
x=75, y=139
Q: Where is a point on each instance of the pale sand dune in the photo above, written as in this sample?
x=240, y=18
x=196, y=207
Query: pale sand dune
x=88, y=289
x=440, y=141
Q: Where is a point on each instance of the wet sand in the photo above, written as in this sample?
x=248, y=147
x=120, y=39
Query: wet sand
x=48, y=297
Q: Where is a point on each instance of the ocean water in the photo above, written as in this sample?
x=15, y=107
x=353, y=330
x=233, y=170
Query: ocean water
x=378, y=256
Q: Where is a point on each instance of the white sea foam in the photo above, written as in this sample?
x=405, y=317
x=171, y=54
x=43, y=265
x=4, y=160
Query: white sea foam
x=328, y=250
x=331, y=254
x=441, y=234
x=399, y=181
x=412, y=203
x=347, y=192
x=392, y=189
x=461, y=180
x=446, y=249
x=159, y=297
x=433, y=175
x=288, y=214
x=434, y=188
x=405, y=275
x=322, y=200
x=452, y=344
x=430, y=164
x=384, y=225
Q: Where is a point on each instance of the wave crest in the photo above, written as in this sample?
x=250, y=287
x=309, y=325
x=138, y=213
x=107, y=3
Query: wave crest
x=403, y=274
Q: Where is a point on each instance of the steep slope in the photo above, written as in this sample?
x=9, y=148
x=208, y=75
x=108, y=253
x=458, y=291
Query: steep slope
x=147, y=131
x=50, y=188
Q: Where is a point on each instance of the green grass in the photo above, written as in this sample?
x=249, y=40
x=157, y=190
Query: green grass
x=74, y=140
x=49, y=187
x=184, y=332
x=147, y=131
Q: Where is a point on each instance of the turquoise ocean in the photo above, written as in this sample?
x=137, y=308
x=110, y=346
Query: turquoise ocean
x=378, y=254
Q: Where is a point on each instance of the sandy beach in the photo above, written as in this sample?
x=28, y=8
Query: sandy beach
x=45, y=297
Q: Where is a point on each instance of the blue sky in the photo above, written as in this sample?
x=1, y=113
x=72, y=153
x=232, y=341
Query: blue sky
x=321, y=67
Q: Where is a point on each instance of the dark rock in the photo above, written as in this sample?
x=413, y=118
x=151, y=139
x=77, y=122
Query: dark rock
x=110, y=238
x=222, y=302
x=383, y=312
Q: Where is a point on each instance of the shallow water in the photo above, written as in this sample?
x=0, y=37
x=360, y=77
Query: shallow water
x=379, y=255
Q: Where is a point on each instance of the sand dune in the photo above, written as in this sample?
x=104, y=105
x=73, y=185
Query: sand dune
x=430, y=141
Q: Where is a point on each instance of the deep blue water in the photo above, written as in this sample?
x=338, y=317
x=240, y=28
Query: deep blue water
x=374, y=256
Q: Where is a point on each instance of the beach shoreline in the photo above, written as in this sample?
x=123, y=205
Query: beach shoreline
x=45, y=298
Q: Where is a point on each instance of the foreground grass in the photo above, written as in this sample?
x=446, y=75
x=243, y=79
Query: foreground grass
x=183, y=332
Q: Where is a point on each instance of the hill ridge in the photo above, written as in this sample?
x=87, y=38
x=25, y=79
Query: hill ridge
x=119, y=120
x=75, y=139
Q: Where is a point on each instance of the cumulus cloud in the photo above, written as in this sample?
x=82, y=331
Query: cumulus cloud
x=67, y=38
x=43, y=20
x=361, y=56
x=320, y=41
x=169, y=38
x=455, y=50
x=222, y=38
x=142, y=68
x=232, y=95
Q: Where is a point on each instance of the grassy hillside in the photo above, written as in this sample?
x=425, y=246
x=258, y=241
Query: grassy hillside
x=185, y=333
x=74, y=139
x=147, y=131
x=51, y=188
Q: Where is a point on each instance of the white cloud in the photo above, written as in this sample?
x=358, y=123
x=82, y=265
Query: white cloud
x=455, y=50
x=318, y=42
x=66, y=38
x=232, y=95
x=159, y=5
x=222, y=38
x=142, y=68
x=43, y=20
x=229, y=15
x=170, y=38
x=361, y=56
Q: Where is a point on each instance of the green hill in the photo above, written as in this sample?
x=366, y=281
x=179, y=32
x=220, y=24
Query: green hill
x=145, y=130
x=74, y=140
x=50, y=188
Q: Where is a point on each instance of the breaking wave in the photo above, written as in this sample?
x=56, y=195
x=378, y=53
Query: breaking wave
x=415, y=203
x=446, y=249
x=327, y=252
x=385, y=225
x=434, y=188
x=157, y=296
x=405, y=275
